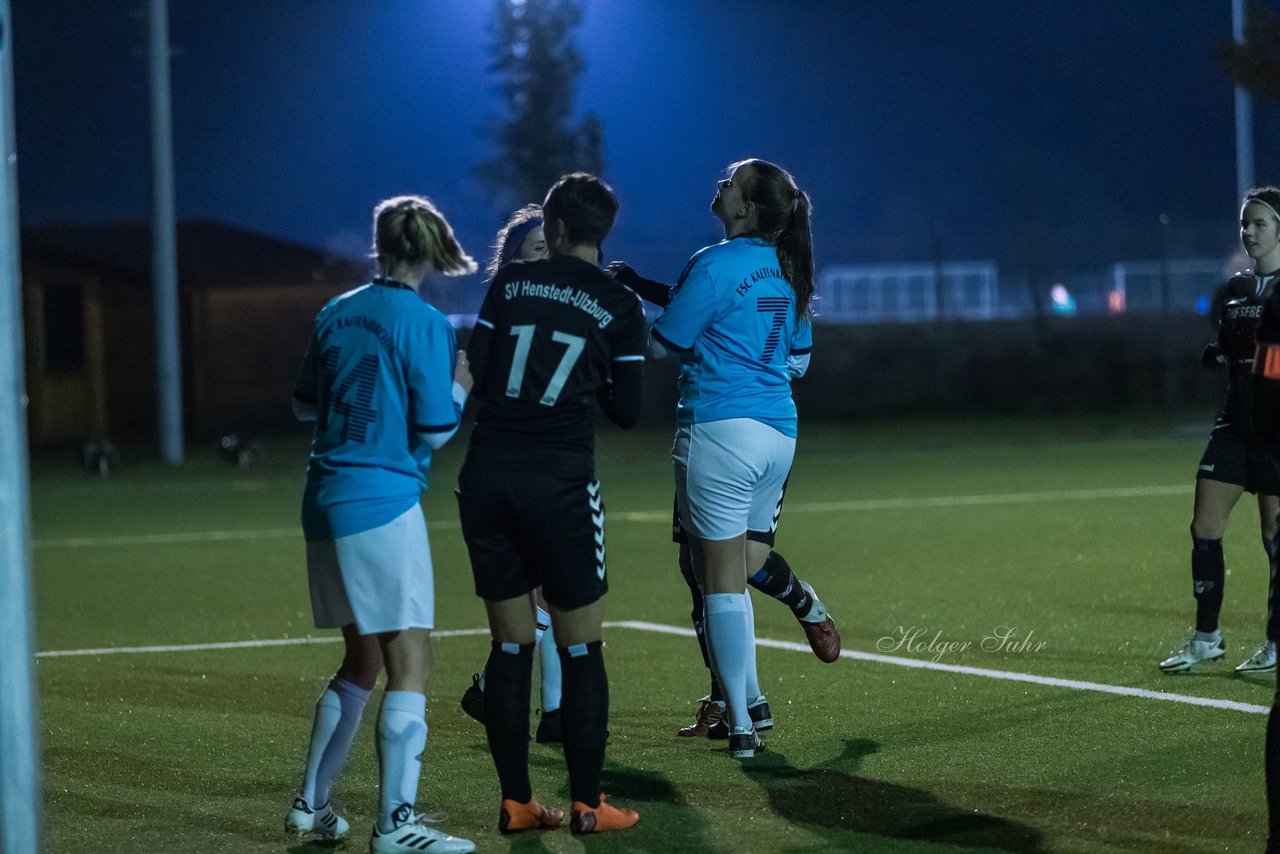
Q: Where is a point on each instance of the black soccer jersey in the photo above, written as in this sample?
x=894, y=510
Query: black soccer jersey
x=1244, y=296
x=550, y=338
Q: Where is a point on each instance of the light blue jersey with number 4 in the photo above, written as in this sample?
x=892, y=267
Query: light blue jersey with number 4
x=732, y=318
x=379, y=371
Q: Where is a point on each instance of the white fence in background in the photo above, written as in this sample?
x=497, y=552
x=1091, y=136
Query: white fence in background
x=1177, y=285
x=868, y=293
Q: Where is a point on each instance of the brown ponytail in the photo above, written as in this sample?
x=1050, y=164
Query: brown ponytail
x=782, y=219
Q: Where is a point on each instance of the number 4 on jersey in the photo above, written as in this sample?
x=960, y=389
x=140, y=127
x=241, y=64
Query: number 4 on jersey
x=574, y=346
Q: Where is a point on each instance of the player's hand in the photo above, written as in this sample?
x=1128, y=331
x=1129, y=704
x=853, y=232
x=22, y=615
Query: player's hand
x=622, y=271
x=462, y=373
x=1212, y=356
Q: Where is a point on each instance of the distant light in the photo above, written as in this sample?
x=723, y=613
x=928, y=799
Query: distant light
x=1115, y=302
x=1203, y=304
x=1063, y=302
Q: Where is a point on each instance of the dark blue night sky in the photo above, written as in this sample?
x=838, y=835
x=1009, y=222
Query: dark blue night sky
x=1030, y=132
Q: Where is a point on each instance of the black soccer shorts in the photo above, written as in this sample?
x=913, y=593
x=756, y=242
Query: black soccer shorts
x=534, y=519
x=1230, y=459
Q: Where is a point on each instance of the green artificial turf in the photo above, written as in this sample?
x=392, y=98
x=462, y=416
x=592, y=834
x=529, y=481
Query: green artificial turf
x=950, y=530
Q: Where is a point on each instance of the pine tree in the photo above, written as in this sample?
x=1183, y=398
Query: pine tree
x=537, y=141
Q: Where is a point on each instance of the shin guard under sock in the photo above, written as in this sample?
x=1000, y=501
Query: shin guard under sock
x=338, y=713
x=729, y=638
x=1208, y=571
x=401, y=740
x=584, y=713
x=506, y=706
x=776, y=579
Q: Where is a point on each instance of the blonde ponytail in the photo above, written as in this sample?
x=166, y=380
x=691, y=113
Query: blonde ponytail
x=408, y=231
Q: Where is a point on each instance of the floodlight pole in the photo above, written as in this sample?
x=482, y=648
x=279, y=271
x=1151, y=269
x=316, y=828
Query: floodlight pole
x=1244, y=114
x=164, y=253
x=19, y=770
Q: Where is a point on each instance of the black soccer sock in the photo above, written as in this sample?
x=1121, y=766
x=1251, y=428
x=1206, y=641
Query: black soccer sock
x=1273, y=774
x=1208, y=571
x=776, y=579
x=695, y=614
x=506, y=704
x=585, y=717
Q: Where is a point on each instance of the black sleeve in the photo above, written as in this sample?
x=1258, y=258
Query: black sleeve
x=478, y=353
x=622, y=397
x=482, y=334
x=649, y=290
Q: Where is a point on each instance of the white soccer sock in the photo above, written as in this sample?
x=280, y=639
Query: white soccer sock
x=729, y=635
x=338, y=712
x=549, y=670
x=753, y=678
x=402, y=737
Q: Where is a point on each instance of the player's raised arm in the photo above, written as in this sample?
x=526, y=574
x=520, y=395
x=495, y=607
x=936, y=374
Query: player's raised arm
x=650, y=291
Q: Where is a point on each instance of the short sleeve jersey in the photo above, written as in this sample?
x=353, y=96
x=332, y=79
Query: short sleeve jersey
x=379, y=370
x=732, y=318
x=555, y=327
x=1243, y=299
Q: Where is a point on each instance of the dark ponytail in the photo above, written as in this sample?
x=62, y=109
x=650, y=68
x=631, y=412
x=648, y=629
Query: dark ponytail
x=782, y=219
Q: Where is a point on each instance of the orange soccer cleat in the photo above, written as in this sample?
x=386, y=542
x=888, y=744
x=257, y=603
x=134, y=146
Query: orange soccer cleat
x=599, y=819
x=515, y=816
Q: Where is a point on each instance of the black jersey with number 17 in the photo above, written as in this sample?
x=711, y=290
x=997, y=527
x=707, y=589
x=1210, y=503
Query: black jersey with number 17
x=550, y=336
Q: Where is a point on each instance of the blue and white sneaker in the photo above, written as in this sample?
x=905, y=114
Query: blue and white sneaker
x=1194, y=652
x=413, y=836
x=322, y=821
x=1263, y=659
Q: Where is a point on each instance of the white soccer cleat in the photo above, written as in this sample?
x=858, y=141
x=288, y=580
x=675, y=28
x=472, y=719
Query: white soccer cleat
x=321, y=822
x=1194, y=652
x=1263, y=659
x=415, y=837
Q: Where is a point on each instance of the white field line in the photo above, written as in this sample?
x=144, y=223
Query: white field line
x=253, y=644
x=1007, y=675
x=640, y=625
x=647, y=516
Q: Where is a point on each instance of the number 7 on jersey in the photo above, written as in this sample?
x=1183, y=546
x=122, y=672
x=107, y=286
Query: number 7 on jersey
x=524, y=341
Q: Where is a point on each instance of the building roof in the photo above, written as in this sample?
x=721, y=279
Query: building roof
x=210, y=255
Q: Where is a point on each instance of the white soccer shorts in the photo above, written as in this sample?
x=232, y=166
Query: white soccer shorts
x=380, y=579
x=729, y=476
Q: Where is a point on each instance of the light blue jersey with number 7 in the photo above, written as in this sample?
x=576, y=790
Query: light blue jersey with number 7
x=732, y=319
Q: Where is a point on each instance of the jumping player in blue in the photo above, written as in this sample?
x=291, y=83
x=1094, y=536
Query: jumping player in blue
x=774, y=578
x=740, y=320
x=385, y=387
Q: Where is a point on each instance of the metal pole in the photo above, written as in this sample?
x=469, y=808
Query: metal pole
x=1244, y=114
x=164, y=260
x=19, y=768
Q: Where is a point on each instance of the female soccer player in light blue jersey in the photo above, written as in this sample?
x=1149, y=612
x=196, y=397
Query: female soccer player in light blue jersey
x=385, y=386
x=739, y=318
